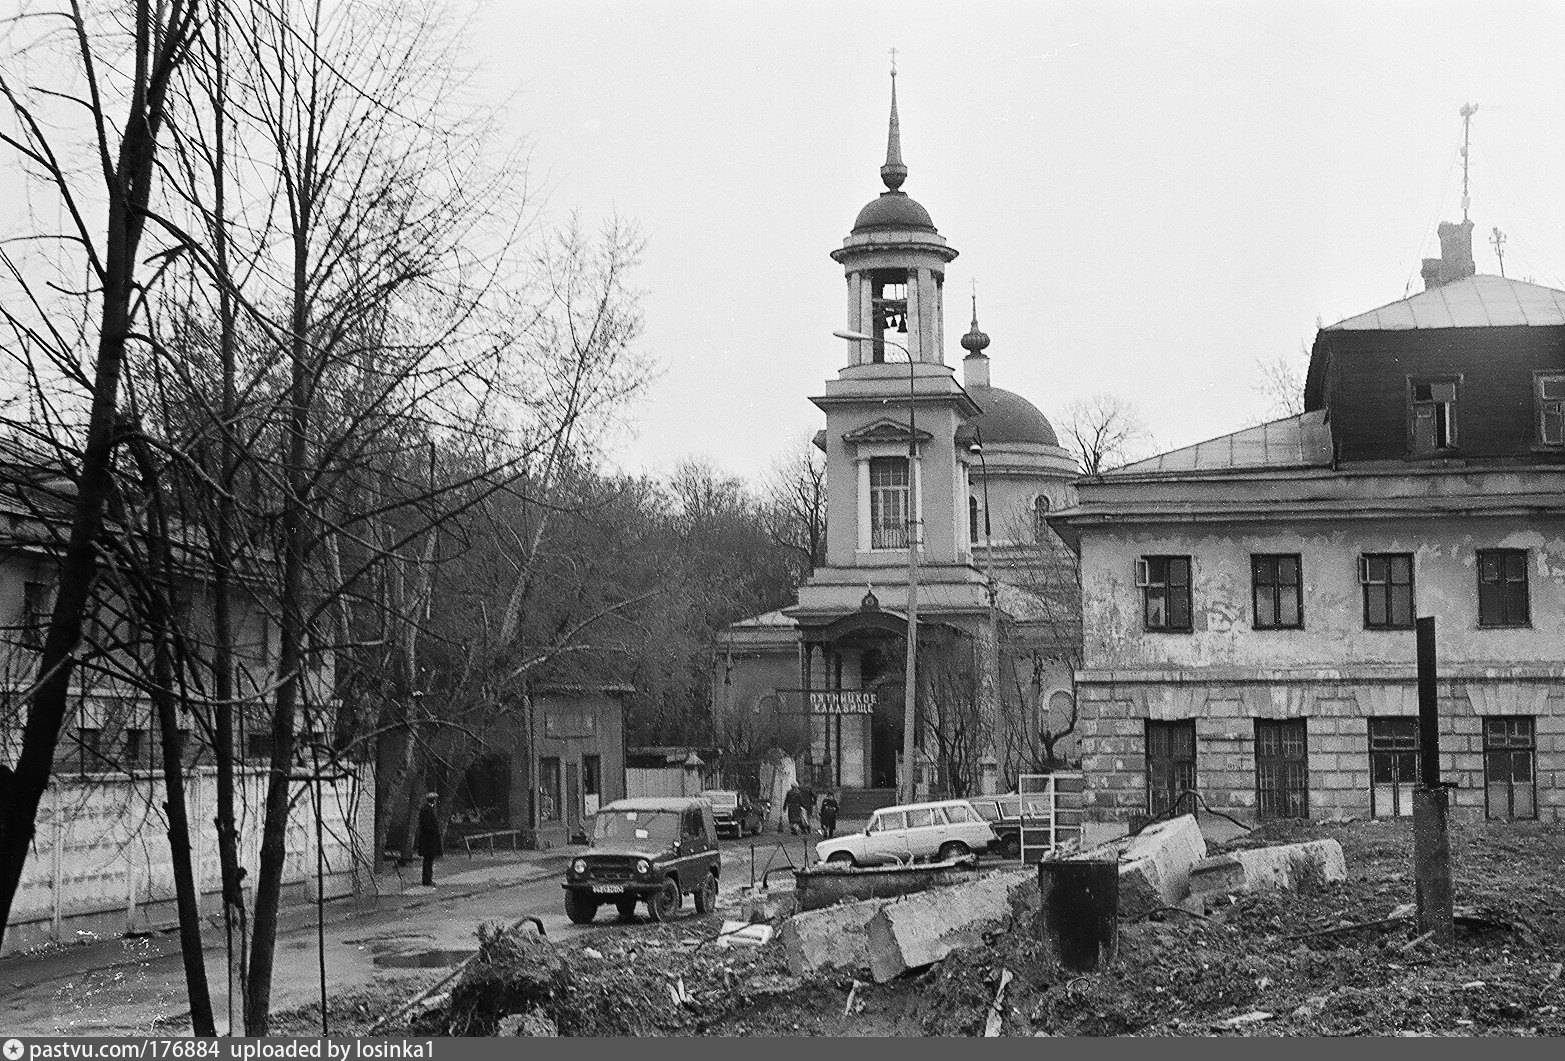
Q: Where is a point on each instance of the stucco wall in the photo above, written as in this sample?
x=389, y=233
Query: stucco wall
x=1445, y=586
x=100, y=863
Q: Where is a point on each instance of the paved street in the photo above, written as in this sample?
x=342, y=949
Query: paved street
x=406, y=941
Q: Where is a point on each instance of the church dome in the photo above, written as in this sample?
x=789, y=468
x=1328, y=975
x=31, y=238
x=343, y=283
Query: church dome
x=1009, y=417
x=893, y=210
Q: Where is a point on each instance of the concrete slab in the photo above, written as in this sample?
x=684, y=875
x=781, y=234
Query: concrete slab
x=919, y=930
x=830, y=938
x=1155, y=864
x=1282, y=867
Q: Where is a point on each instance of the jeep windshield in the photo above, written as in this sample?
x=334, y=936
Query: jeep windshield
x=630, y=827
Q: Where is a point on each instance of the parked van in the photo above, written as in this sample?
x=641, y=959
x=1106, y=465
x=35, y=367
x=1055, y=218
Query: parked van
x=944, y=829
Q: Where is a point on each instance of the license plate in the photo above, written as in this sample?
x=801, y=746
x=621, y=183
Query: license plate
x=608, y=889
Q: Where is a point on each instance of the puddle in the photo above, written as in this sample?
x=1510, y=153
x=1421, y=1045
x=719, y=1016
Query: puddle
x=421, y=959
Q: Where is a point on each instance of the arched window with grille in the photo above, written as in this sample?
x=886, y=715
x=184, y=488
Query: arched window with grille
x=1040, y=517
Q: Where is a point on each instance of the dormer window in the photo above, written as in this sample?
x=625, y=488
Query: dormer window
x=1550, y=391
x=888, y=308
x=1432, y=416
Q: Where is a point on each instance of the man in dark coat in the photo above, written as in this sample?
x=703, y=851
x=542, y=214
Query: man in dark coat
x=428, y=844
x=829, y=815
x=793, y=806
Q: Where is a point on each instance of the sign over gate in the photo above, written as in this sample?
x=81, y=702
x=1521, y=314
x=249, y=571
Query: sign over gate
x=831, y=701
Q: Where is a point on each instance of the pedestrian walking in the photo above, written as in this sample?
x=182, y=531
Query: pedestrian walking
x=829, y=815
x=793, y=806
x=807, y=805
x=429, y=846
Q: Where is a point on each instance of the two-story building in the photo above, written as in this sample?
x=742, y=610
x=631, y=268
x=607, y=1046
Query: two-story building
x=1249, y=601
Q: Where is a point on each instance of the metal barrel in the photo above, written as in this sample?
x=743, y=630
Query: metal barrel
x=1080, y=915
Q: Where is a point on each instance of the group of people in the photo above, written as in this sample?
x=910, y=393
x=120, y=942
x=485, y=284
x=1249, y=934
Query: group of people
x=799, y=806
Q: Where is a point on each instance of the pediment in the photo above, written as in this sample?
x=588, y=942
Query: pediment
x=884, y=431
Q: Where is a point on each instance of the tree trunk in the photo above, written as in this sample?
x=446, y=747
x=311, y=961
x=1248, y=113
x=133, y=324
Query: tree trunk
x=161, y=41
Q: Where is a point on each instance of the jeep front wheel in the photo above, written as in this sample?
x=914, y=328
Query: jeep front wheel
x=706, y=895
x=665, y=904
x=580, y=907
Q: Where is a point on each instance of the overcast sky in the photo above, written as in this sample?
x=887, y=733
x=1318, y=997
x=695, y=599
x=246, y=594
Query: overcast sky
x=1151, y=196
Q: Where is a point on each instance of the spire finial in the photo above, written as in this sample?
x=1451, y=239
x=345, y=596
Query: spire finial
x=975, y=341
x=893, y=173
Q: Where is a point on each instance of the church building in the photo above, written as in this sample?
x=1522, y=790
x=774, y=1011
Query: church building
x=962, y=472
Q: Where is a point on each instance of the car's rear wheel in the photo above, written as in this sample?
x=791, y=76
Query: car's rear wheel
x=665, y=904
x=842, y=858
x=1011, y=847
x=580, y=907
x=953, y=850
x=626, y=907
x=706, y=895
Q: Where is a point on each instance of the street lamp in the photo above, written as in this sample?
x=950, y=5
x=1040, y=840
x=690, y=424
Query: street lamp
x=909, y=677
x=991, y=676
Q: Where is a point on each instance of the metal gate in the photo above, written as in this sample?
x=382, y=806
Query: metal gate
x=1050, y=812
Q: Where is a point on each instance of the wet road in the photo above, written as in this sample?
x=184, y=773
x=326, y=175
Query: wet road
x=402, y=948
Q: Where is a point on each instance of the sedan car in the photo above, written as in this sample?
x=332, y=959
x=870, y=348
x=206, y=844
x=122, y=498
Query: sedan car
x=1005, y=815
x=735, y=815
x=946, y=829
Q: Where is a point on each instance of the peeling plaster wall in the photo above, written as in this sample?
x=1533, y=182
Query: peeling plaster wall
x=1445, y=585
x=1333, y=673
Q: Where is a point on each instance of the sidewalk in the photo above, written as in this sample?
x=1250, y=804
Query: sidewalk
x=395, y=889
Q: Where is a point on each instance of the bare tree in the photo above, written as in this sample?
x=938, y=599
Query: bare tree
x=795, y=504
x=1281, y=383
x=1104, y=432
x=125, y=61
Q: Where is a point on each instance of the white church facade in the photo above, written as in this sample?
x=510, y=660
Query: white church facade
x=964, y=469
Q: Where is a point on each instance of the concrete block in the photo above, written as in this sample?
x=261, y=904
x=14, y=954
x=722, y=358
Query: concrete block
x=833, y=938
x=1282, y=868
x=1155, y=864
x=919, y=930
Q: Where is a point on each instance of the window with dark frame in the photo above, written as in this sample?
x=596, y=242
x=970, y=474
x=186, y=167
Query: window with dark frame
x=1510, y=748
x=1393, y=766
x=1170, y=764
x=972, y=520
x=1278, y=591
x=35, y=614
x=1432, y=415
x=1550, y=393
x=1387, y=579
x=135, y=747
x=87, y=739
x=1502, y=587
x=592, y=775
x=888, y=502
x=1165, y=592
x=1282, y=768
x=549, y=804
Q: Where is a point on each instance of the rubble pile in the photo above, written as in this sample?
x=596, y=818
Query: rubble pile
x=647, y=979
x=1273, y=947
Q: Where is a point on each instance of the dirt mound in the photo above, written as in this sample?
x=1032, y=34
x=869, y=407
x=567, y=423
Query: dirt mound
x=1335, y=959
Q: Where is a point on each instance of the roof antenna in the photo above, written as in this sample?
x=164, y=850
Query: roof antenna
x=1498, y=240
x=1467, y=112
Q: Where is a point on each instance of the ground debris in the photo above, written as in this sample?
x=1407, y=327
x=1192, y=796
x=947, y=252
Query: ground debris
x=1243, y=971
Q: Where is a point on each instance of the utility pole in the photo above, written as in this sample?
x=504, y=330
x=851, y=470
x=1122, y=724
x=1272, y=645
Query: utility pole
x=1498, y=241
x=1467, y=112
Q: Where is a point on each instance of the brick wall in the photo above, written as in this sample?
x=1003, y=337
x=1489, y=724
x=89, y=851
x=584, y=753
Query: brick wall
x=1337, y=718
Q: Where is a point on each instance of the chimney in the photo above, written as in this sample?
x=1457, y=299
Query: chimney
x=975, y=370
x=1456, y=256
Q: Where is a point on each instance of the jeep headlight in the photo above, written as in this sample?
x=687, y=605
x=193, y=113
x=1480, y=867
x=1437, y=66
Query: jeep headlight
x=579, y=866
x=642, y=867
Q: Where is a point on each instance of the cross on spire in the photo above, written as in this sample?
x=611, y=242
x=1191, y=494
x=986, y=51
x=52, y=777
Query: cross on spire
x=893, y=62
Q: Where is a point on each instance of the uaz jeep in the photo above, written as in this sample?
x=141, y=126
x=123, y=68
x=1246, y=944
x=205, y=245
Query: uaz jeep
x=646, y=850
